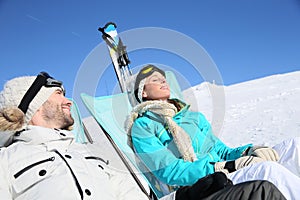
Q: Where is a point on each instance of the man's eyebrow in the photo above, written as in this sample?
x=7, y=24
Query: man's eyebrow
x=59, y=89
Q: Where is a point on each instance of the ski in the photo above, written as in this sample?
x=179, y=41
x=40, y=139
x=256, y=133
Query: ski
x=118, y=54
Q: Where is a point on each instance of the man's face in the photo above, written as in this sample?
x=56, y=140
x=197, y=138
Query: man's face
x=57, y=111
x=156, y=87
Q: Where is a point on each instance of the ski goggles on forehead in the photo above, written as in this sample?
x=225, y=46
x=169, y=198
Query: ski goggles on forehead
x=51, y=82
x=42, y=79
x=147, y=71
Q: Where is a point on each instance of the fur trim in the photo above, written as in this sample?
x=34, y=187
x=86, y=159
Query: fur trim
x=11, y=119
x=141, y=89
x=166, y=111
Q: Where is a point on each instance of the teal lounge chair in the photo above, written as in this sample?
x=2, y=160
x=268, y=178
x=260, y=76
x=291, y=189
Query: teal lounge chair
x=110, y=112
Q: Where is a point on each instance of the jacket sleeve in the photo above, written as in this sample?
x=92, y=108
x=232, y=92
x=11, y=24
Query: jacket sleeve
x=228, y=153
x=169, y=168
x=225, y=152
x=4, y=186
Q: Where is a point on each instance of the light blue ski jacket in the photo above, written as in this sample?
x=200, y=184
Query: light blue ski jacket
x=155, y=146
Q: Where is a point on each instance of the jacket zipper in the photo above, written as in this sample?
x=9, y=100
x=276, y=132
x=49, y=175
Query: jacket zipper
x=33, y=165
x=75, y=178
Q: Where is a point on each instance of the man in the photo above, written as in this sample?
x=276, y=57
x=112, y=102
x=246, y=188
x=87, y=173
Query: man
x=40, y=159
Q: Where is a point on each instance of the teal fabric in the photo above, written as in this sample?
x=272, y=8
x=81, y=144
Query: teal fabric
x=110, y=112
x=78, y=129
x=156, y=147
x=174, y=86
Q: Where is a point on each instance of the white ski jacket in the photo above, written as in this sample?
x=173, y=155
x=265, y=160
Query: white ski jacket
x=45, y=163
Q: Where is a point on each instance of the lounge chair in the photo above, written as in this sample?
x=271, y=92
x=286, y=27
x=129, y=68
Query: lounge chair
x=110, y=112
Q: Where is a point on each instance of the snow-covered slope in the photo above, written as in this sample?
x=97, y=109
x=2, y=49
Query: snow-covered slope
x=261, y=111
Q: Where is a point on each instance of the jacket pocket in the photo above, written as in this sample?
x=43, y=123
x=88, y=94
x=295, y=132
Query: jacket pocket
x=33, y=165
x=102, y=164
x=32, y=174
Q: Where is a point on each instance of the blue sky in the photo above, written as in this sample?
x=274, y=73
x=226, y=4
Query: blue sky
x=244, y=39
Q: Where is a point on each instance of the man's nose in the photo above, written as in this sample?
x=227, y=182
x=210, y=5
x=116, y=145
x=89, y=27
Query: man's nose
x=68, y=102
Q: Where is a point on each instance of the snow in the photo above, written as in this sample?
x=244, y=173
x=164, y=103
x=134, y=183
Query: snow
x=263, y=111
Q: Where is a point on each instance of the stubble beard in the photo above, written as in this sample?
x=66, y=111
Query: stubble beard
x=53, y=113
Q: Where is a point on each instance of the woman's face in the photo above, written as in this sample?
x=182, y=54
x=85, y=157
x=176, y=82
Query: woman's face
x=156, y=87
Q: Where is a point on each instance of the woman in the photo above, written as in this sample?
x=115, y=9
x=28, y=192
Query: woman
x=179, y=147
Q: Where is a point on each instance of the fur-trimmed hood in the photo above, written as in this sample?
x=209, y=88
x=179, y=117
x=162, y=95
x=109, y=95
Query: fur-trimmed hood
x=166, y=111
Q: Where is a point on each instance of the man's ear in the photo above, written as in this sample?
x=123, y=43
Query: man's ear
x=36, y=118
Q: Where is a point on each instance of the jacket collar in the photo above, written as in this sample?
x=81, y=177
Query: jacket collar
x=40, y=135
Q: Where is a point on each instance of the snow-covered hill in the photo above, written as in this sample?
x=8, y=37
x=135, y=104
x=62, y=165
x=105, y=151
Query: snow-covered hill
x=261, y=111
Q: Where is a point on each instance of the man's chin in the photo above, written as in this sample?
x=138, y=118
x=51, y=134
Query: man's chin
x=68, y=123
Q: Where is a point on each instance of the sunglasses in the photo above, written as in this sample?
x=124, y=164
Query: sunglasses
x=42, y=79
